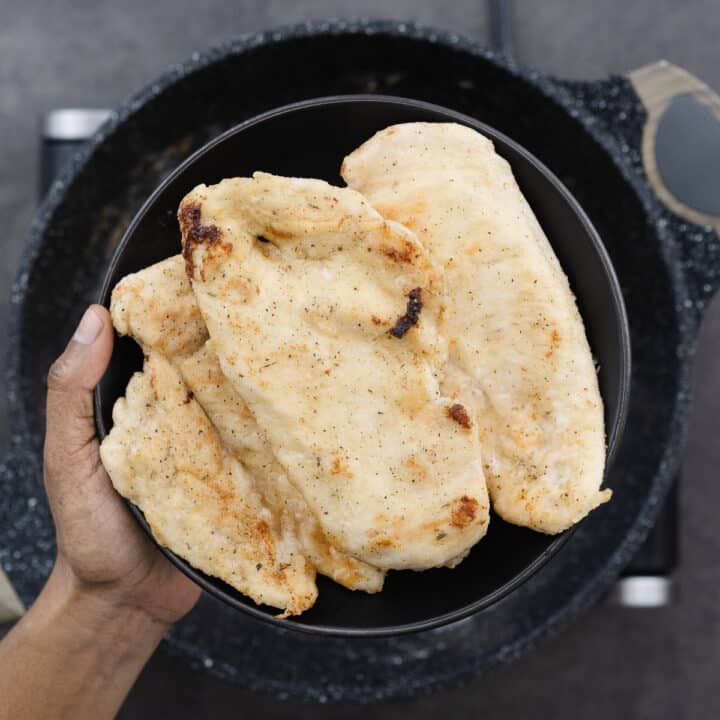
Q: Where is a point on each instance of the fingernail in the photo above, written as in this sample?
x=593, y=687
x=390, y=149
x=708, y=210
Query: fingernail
x=89, y=328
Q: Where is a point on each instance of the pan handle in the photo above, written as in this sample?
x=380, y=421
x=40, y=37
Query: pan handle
x=683, y=168
x=64, y=132
x=681, y=157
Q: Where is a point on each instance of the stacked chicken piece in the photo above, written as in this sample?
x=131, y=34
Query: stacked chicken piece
x=339, y=380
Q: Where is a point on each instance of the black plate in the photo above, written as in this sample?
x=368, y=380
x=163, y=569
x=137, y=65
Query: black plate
x=310, y=139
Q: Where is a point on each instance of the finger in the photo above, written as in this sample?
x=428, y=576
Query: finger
x=70, y=430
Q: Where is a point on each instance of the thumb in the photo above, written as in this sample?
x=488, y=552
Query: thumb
x=70, y=430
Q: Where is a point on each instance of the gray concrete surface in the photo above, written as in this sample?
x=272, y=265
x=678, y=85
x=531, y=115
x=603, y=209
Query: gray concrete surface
x=614, y=663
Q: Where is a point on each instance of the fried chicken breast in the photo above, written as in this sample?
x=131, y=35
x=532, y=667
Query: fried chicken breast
x=516, y=339
x=165, y=456
x=324, y=317
x=156, y=306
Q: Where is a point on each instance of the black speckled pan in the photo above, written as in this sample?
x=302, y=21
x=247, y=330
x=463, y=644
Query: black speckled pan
x=310, y=140
x=589, y=134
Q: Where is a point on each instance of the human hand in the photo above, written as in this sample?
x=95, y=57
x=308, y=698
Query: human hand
x=111, y=595
x=102, y=552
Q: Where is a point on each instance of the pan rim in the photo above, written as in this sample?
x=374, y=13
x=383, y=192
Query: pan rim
x=614, y=434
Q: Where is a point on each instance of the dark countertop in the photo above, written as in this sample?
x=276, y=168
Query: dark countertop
x=613, y=662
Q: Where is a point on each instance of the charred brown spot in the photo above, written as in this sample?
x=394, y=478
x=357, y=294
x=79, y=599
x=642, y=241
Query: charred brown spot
x=554, y=343
x=337, y=467
x=400, y=255
x=412, y=313
x=189, y=396
x=383, y=543
x=274, y=232
x=464, y=512
x=376, y=320
x=195, y=233
x=263, y=537
x=416, y=468
x=459, y=414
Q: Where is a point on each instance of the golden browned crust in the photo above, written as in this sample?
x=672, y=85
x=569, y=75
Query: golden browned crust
x=463, y=511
